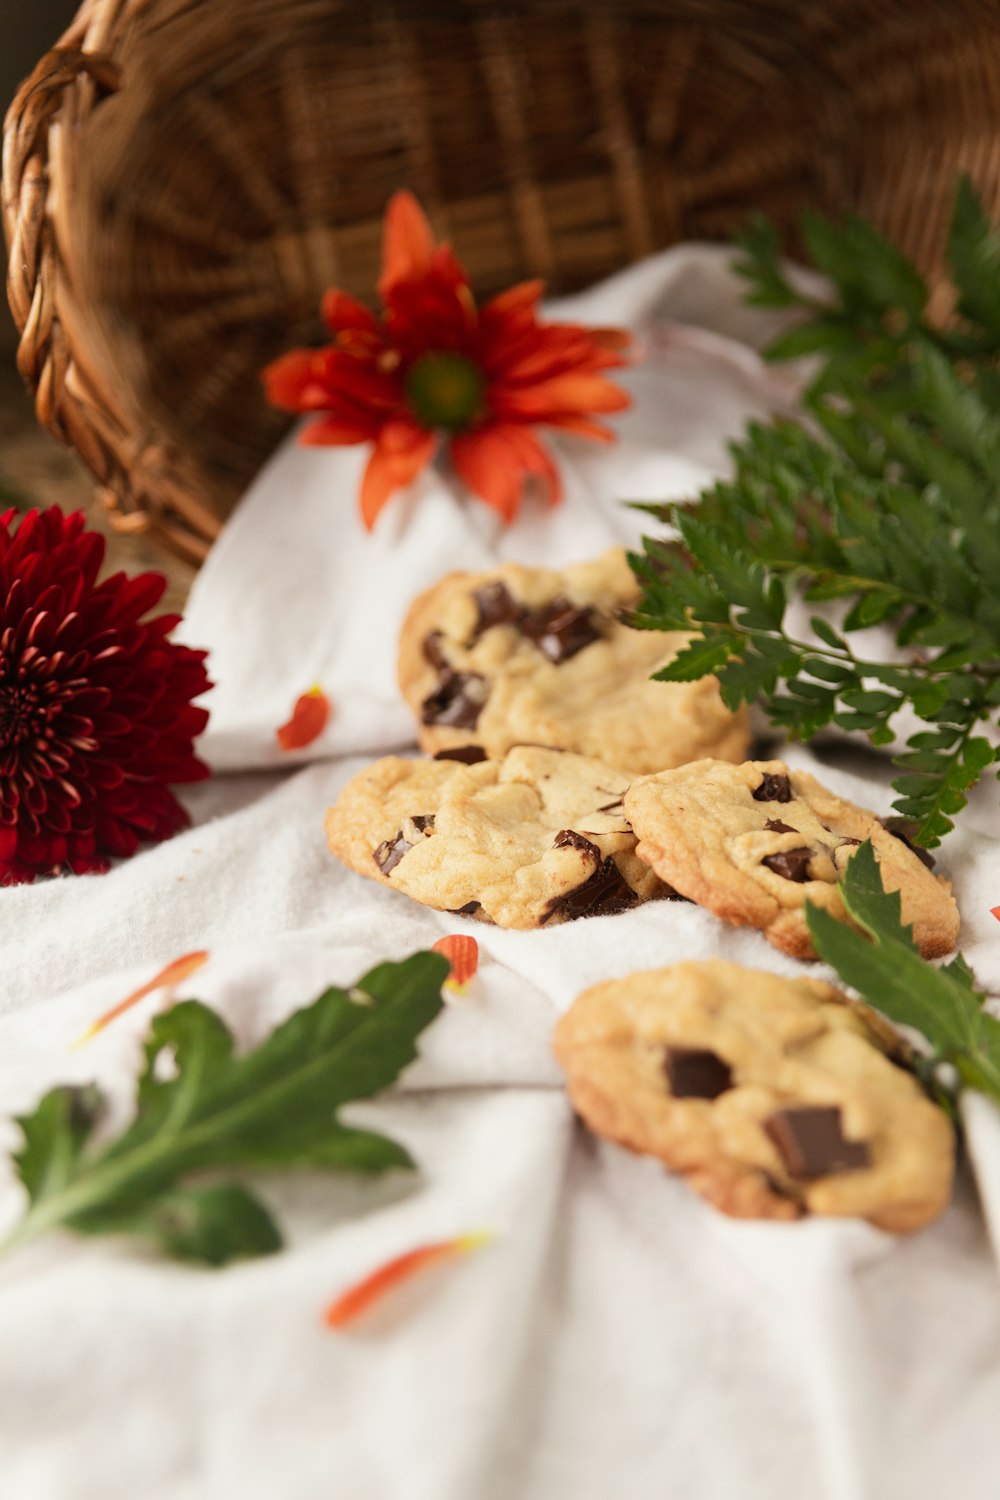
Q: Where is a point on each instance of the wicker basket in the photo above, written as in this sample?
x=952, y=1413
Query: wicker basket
x=182, y=178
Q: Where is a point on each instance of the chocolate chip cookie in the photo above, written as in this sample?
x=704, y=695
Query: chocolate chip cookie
x=754, y=842
x=530, y=656
x=534, y=839
x=774, y=1097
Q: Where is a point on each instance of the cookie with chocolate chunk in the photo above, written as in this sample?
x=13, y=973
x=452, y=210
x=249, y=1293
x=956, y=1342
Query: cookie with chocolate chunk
x=532, y=656
x=774, y=1097
x=534, y=839
x=754, y=842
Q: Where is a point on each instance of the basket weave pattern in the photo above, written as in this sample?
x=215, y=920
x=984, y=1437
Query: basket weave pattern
x=183, y=178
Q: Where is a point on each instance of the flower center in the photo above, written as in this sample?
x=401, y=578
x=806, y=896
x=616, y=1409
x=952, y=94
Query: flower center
x=445, y=390
x=18, y=709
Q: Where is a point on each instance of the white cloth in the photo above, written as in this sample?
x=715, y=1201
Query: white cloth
x=618, y=1336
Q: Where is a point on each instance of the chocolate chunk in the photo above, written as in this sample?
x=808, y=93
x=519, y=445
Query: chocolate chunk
x=811, y=1141
x=561, y=629
x=603, y=893
x=566, y=838
x=389, y=853
x=423, y=822
x=669, y=894
x=496, y=606
x=457, y=700
x=469, y=755
x=696, y=1073
x=791, y=864
x=434, y=653
x=773, y=789
x=902, y=828
x=468, y=910
x=775, y=825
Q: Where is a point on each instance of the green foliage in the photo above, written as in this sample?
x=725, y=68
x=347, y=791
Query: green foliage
x=885, y=510
x=213, y=1111
x=881, y=962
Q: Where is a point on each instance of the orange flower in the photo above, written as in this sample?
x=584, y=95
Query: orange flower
x=434, y=364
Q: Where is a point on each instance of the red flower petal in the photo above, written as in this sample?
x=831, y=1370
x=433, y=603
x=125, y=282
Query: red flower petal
x=309, y=718
x=340, y=311
x=287, y=379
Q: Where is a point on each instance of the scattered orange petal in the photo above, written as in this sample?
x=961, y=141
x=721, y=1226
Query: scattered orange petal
x=367, y=1292
x=174, y=972
x=309, y=719
x=995, y=912
x=463, y=954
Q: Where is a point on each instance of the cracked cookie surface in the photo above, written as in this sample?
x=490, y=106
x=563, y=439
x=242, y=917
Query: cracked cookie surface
x=534, y=656
x=534, y=839
x=774, y=1097
x=754, y=842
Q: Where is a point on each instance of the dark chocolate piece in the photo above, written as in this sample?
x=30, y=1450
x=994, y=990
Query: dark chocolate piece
x=567, y=838
x=433, y=652
x=457, y=700
x=791, y=864
x=389, y=853
x=696, y=1073
x=601, y=894
x=469, y=755
x=561, y=629
x=811, y=1141
x=423, y=822
x=773, y=789
x=496, y=606
x=468, y=910
x=775, y=825
x=901, y=828
x=669, y=894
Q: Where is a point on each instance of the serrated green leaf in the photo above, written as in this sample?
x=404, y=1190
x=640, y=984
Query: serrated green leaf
x=697, y=659
x=893, y=508
x=882, y=963
x=273, y=1106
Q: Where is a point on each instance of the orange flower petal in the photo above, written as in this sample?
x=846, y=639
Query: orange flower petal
x=288, y=379
x=401, y=452
x=333, y=432
x=571, y=393
x=309, y=718
x=995, y=912
x=582, y=427
x=407, y=242
x=495, y=461
x=463, y=954
x=174, y=972
x=366, y=1293
x=490, y=469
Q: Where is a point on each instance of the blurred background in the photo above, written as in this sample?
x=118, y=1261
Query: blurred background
x=34, y=468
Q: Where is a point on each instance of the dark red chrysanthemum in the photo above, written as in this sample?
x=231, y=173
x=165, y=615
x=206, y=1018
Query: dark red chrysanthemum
x=96, y=718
